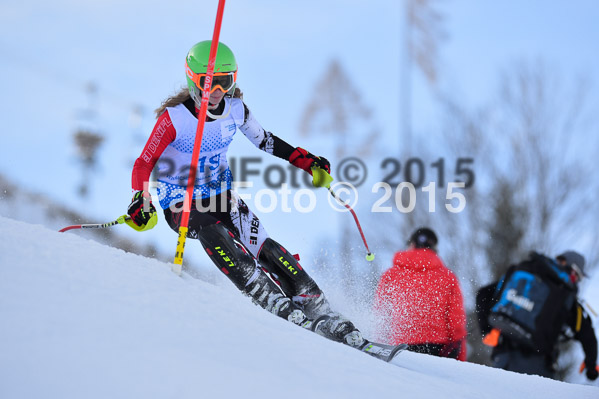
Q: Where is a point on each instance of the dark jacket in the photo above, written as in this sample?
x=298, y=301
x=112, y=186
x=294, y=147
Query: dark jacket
x=575, y=318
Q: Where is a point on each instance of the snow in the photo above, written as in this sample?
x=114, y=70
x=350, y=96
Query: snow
x=84, y=320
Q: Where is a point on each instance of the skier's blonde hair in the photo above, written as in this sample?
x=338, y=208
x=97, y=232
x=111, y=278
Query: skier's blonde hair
x=183, y=95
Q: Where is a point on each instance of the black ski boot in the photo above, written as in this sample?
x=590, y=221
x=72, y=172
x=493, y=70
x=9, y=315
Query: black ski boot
x=294, y=279
x=280, y=305
x=337, y=328
x=306, y=294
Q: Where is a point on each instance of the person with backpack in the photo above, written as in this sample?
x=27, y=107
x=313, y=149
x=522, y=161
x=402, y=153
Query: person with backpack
x=524, y=315
x=231, y=234
x=419, y=302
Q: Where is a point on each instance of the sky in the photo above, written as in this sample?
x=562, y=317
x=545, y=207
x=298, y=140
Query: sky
x=80, y=319
x=133, y=52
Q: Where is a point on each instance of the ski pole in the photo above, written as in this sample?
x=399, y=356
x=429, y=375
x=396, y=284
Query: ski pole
x=197, y=145
x=588, y=307
x=320, y=178
x=369, y=255
x=120, y=220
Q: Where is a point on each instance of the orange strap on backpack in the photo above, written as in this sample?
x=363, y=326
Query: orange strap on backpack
x=492, y=338
x=582, y=367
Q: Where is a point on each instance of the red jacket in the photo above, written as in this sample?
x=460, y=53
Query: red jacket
x=419, y=301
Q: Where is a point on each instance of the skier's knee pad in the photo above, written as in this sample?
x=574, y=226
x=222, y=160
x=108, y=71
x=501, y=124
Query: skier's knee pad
x=228, y=253
x=279, y=261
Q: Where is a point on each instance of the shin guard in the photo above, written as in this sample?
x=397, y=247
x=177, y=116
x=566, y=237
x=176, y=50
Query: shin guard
x=294, y=279
x=237, y=263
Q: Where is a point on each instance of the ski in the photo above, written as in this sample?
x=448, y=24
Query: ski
x=383, y=352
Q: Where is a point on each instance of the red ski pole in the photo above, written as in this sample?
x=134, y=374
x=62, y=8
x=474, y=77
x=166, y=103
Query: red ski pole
x=197, y=146
x=320, y=178
x=369, y=255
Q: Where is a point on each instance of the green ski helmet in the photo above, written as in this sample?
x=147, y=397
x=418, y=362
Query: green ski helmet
x=196, y=66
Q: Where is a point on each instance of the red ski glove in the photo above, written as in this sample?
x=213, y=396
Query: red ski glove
x=302, y=159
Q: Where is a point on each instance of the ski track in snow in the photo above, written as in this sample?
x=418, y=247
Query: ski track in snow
x=83, y=320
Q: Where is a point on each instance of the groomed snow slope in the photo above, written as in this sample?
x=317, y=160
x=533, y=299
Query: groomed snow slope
x=82, y=320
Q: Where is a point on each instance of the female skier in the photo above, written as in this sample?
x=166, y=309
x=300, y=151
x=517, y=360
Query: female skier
x=229, y=231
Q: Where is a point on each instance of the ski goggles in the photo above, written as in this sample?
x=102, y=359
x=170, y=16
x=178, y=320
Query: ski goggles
x=220, y=80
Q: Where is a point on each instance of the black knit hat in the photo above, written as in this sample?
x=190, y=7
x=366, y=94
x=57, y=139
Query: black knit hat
x=424, y=238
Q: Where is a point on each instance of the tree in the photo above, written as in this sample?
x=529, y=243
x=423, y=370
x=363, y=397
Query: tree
x=339, y=114
x=88, y=139
x=87, y=143
x=423, y=33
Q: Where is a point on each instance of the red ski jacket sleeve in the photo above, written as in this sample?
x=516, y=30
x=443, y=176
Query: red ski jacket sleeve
x=162, y=135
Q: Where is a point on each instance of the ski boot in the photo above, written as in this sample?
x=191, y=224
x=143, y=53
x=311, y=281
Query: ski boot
x=282, y=306
x=337, y=328
x=306, y=294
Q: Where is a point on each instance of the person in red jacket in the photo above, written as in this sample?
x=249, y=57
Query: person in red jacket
x=419, y=302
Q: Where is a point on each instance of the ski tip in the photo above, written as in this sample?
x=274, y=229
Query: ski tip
x=398, y=349
x=382, y=351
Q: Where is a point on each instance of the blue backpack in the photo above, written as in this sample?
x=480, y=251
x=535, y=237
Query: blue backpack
x=532, y=303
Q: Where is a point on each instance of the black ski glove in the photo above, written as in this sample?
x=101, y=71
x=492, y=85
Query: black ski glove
x=592, y=374
x=141, y=210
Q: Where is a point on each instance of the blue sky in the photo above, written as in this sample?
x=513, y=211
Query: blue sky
x=134, y=52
